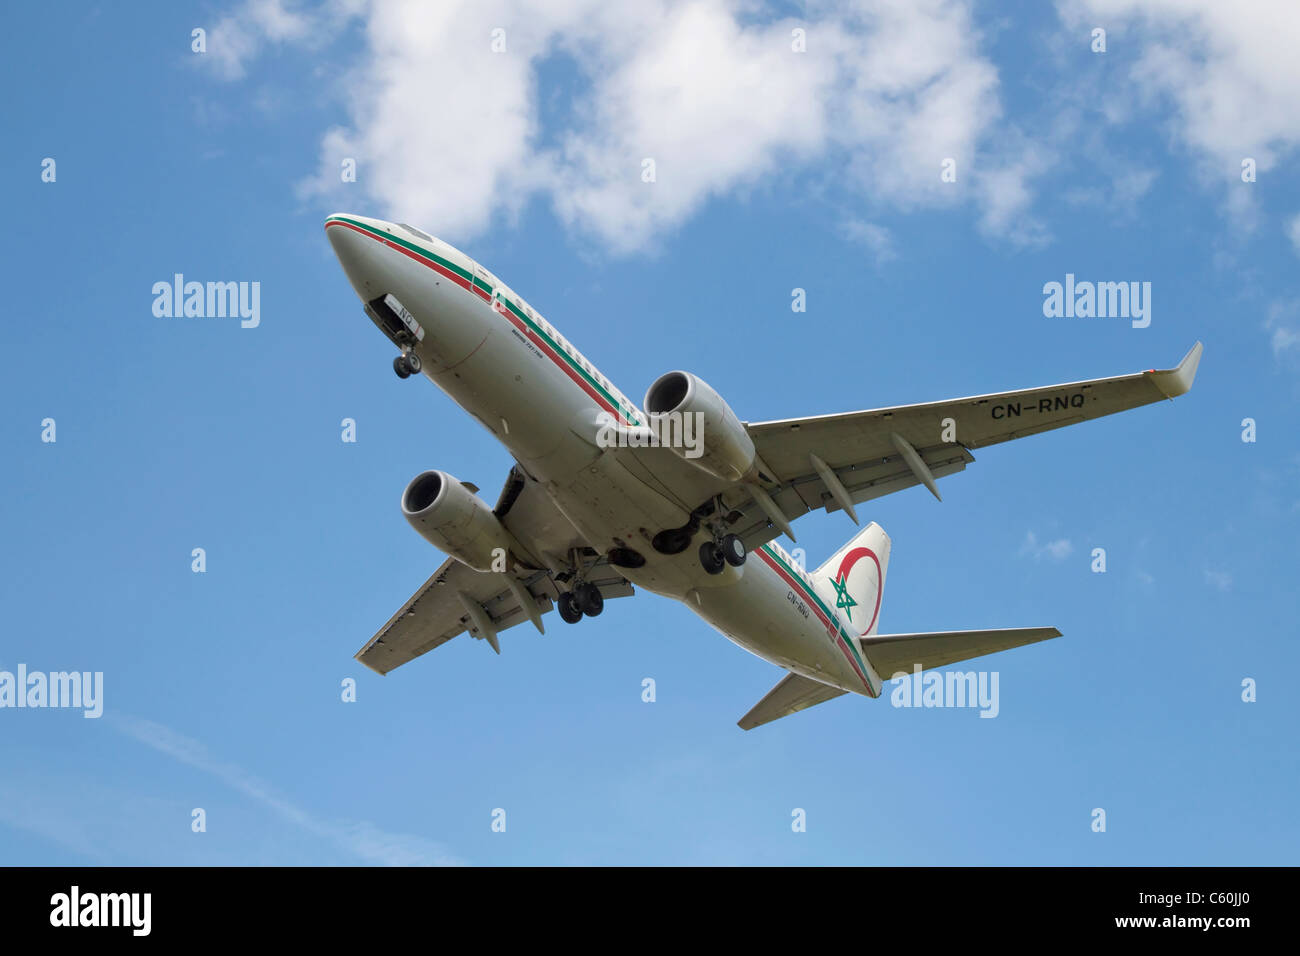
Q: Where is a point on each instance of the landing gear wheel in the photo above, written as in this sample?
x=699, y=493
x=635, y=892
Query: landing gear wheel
x=733, y=550
x=399, y=366
x=712, y=558
x=589, y=599
x=570, y=613
x=413, y=363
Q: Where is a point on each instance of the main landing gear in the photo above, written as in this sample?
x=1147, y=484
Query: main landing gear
x=583, y=599
x=721, y=547
x=716, y=555
x=407, y=364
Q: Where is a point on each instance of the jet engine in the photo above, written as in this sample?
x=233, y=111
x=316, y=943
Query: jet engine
x=681, y=404
x=453, y=519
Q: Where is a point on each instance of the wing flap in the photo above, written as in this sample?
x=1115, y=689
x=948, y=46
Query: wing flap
x=892, y=654
x=793, y=694
x=863, y=482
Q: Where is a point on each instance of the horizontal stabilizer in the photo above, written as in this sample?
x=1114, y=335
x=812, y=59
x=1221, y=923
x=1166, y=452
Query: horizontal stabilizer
x=793, y=694
x=891, y=654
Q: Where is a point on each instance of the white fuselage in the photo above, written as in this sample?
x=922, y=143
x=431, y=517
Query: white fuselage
x=498, y=359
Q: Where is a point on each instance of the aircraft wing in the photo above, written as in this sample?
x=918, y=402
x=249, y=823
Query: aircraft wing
x=872, y=453
x=437, y=612
x=457, y=598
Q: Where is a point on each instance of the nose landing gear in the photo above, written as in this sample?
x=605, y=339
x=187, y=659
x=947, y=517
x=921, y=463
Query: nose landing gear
x=407, y=364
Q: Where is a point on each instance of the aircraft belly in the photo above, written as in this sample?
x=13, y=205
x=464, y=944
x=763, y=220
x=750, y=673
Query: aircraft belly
x=760, y=616
x=612, y=508
x=550, y=427
x=680, y=575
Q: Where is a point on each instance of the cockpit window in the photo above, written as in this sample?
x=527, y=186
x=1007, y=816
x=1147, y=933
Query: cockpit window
x=416, y=232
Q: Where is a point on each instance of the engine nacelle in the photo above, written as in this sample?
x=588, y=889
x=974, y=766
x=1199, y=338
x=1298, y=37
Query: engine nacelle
x=453, y=519
x=722, y=447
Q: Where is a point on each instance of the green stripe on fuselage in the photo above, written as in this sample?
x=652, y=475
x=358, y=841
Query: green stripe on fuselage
x=483, y=284
x=571, y=362
x=848, y=638
x=445, y=263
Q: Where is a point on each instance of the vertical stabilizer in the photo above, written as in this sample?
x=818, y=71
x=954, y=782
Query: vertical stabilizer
x=853, y=579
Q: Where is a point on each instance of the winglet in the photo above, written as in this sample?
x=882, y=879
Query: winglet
x=1173, y=382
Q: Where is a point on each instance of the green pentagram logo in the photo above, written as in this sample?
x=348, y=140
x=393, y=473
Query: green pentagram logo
x=842, y=597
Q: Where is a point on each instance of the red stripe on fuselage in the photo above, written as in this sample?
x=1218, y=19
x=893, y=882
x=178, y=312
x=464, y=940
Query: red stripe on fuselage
x=441, y=270
x=564, y=366
x=483, y=294
x=812, y=603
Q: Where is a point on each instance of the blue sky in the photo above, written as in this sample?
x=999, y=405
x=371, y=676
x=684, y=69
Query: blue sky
x=776, y=170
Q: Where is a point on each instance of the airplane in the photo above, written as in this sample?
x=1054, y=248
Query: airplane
x=677, y=496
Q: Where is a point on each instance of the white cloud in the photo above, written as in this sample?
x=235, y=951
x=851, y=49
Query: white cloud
x=918, y=92
x=1057, y=550
x=240, y=36
x=715, y=104
x=1229, y=70
x=358, y=837
x=877, y=239
x=448, y=134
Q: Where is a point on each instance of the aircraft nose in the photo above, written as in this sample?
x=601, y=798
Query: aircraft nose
x=354, y=250
x=348, y=243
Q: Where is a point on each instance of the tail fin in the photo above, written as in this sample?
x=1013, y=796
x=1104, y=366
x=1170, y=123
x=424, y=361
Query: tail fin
x=853, y=578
